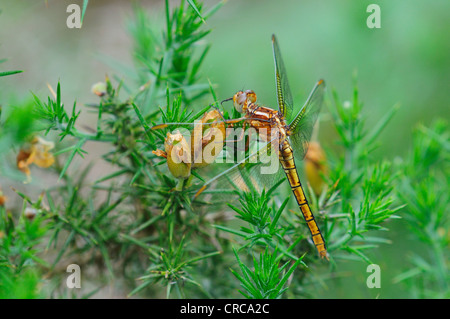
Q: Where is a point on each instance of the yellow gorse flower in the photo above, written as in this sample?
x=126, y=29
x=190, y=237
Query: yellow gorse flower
x=37, y=153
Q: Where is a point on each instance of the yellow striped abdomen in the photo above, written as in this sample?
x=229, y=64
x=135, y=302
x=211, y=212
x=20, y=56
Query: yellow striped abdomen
x=287, y=161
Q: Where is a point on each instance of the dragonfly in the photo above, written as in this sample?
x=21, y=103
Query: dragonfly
x=286, y=134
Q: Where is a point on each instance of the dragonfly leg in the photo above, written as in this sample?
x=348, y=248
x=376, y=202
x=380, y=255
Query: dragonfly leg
x=218, y=110
x=230, y=123
x=241, y=136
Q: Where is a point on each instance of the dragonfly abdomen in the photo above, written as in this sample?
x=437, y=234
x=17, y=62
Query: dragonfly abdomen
x=287, y=161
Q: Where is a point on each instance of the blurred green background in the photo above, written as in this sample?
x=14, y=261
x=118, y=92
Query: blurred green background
x=406, y=61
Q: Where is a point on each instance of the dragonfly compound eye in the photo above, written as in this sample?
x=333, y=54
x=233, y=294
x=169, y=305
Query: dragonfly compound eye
x=238, y=100
x=251, y=96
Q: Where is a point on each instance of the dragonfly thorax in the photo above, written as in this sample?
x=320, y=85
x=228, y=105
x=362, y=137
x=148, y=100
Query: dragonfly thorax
x=269, y=123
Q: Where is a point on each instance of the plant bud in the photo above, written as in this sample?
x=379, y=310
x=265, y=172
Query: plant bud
x=99, y=89
x=30, y=213
x=178, y=155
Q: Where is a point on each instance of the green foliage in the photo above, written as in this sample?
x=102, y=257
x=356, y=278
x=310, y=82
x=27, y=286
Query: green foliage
x=17, y=126
x=23, y=286
x=261, y=230
x=424, y=188
x=5, y=73
x=170, y=61
x=364, y=186
x=267, y=278
x=171, y=267
x=19, y=248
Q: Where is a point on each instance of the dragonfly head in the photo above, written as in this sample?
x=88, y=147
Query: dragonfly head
x=242, y=98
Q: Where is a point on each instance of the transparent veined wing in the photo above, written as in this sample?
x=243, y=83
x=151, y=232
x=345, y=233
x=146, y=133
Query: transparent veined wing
x=260, y=169
x=302, y=125
x=284, y=95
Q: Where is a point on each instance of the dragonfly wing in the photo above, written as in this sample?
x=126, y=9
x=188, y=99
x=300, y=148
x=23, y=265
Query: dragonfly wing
x=302, y=125
x=284, y=95
x=259, y=170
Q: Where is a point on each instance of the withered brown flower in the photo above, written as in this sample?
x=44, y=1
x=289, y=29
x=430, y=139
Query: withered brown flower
x=207, y=140
x=316, y=167
x=37, y=153
x=2, y=198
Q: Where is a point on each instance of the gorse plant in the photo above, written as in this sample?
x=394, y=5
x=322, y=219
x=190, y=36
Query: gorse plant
x=122, y=227
x=267, y=279
x=365, y=186
x=138, y=228
x=16, y=128
x=424, y=188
